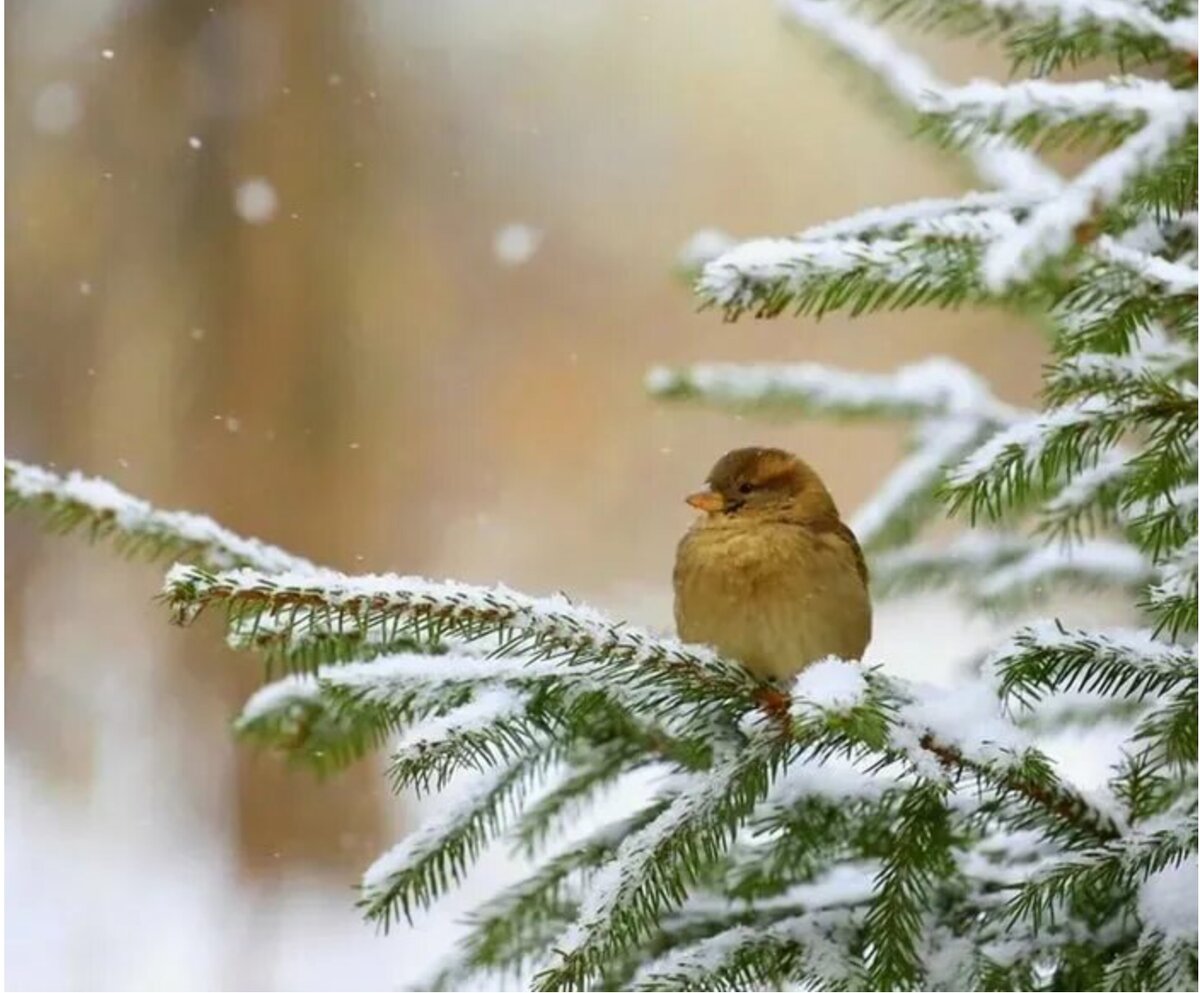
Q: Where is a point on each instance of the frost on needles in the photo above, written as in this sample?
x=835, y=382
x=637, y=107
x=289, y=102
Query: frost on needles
x=853, y=830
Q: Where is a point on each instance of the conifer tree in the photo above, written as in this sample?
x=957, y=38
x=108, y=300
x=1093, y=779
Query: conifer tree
x=851, y=830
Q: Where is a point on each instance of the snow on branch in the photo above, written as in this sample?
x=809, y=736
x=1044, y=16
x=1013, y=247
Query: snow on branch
x=1036, y=109
x=439, y=853
x=1001, y=569
x=1172, y=601
x=977, y=212
x=934, y=386
x=909, y=78
x=1036, y=453
x=545, y=628
x=750, y=957
x=77, y=501
x=1045, y=658
x=1132, y=16
x=1173, y=278
x=632, y=890
x=908, y=496
x=771, y=275
x=1050, y=229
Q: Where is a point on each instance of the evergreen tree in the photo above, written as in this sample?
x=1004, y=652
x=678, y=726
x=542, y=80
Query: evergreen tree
x=851, y=830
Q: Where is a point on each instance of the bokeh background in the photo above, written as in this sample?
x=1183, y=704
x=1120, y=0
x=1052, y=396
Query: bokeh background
x=379, y=281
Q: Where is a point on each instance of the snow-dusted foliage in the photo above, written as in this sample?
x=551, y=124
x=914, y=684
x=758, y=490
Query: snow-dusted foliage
x=851, y=830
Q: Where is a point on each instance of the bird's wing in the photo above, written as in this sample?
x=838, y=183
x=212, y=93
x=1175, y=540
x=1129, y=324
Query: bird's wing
x=838, y=528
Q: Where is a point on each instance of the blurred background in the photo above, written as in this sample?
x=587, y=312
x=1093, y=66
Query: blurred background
x=379, y=281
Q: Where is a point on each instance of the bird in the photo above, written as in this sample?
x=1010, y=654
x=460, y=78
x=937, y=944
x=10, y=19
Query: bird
x=769, y=575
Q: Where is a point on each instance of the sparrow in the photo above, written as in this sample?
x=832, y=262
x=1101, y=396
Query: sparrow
x=769, y=574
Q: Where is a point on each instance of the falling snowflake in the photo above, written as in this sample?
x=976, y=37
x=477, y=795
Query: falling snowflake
x=256, y=201
x=515, y=244
x=57, y=108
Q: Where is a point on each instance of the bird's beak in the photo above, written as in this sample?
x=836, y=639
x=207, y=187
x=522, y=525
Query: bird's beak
x=707, y=501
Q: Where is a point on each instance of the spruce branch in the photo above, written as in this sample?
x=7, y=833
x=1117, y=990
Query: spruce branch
x=1044, y=35
x=935, y=387
x=672, y=679
x=651, y=869
x=512, y=929
x=1036, y=112
x=437, y=855
x=77, y=502
x=1051, y=228
x=1047, y=658
x=909, y=79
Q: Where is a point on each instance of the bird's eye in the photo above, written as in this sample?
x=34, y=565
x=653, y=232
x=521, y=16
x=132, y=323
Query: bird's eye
x=745, y=488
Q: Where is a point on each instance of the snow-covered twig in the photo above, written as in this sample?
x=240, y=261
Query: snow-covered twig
x=1105, y=15
x=1050, y=229
x=104, y=510
x=908, y=77
x=1002, y=106
x=934, y=386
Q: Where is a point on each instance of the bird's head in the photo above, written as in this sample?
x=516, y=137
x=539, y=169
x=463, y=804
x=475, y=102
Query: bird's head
x=764, y=480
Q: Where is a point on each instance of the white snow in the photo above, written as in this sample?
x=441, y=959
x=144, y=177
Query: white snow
x=1135, y=645
x=898, y=218
x=837, y=778
x=489, y=705
x=384, y=678
x=280, y=696
x=830, y=684
x=255, y=200
x=1174, y=277
x=730, y=277
x=1167, y=901
x=1177, y=577
x=967, y=717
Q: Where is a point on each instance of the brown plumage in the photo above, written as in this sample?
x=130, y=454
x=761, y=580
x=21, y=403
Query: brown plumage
x=769, y=575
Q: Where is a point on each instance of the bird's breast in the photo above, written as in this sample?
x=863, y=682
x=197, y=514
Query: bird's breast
x=776, y=597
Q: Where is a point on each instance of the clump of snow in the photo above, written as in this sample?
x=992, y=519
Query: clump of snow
x=702, y=247
x=830, y=684
x=966, y=717
x=280, y=695
x=516, y=244
x=255, y=200
x=1167, y=901
x=57, y=108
